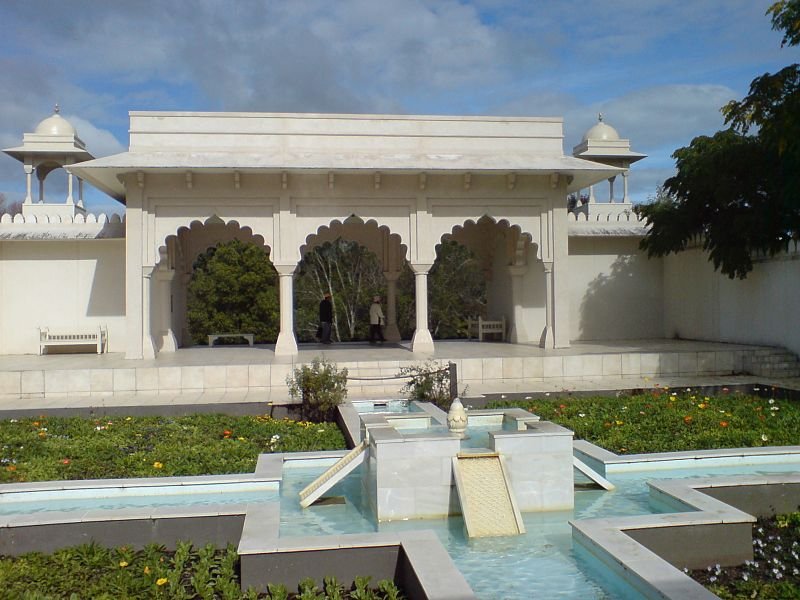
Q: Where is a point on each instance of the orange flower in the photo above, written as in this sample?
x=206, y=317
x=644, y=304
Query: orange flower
x=11, y=468
x=42, y=434
x=688, y=419
x=65, y=461
x=723, y=423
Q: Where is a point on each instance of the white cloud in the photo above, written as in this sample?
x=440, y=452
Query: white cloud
x=659, y=116
x=100, y=142
x=659, y=70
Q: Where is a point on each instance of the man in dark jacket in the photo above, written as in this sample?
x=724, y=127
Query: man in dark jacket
x=326, y=318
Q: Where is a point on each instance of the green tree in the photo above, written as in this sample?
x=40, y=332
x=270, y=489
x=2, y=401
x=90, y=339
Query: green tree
x=352, y=274
x=737, y=192
x=233, y=290
x=456, y=290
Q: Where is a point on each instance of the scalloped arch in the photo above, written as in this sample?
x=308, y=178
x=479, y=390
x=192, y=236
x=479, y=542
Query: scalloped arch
x=311, y=240
x=503, y=223
x=196, y=225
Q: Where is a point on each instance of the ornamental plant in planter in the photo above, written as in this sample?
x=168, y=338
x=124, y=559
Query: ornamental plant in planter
x=321, y=387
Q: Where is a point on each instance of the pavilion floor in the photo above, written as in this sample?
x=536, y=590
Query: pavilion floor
x=243, y=375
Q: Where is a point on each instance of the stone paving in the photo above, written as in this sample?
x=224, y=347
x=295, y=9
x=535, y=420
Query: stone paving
x=243, y=375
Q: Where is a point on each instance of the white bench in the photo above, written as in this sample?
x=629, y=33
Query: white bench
x=250, y=337
x=73, y=337
x=482, y=327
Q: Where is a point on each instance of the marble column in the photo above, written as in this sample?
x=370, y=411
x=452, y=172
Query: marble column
x=625, y=198
x=80, y=192
x=28, y=183
x=422, y=340
x=134, y=271
x=70, y=200
x=516, y=333
x=148, y=347
x=287, y=342
x=548, y=340
x=166, y=333
x=391, y=332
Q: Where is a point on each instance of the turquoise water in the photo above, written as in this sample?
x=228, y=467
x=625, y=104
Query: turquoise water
x=150, y=497
x=385, y=406
x=540, y=564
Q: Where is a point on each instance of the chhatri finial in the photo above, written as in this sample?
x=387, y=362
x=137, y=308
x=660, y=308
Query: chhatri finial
x=600, y=117
x=56, y=108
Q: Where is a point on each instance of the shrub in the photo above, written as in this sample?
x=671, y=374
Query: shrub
x=321, y=387
x=429, y=382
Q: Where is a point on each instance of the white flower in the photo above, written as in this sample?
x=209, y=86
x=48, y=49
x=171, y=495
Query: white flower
x=764, y=437
x=581, y=415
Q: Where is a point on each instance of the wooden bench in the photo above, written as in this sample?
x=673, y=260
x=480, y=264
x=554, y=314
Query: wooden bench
x=250, y=337
x=73, y=337
x=482, y=327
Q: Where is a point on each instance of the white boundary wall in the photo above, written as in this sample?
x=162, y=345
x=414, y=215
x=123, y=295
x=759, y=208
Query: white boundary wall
x=762, y=309
x=615, y=292
x=60, y=284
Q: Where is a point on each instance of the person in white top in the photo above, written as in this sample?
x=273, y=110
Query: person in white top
x=376, y=321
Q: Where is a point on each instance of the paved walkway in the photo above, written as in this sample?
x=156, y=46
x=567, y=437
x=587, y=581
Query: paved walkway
x=503, y=368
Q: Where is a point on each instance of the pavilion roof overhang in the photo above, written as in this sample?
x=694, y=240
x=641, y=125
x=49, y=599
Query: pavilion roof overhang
x=108, y=173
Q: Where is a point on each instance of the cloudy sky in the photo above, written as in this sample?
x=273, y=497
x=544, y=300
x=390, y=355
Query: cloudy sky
x=659, y=70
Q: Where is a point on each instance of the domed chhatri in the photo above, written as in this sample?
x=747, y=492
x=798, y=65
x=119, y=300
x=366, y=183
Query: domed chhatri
x=601, y=131
x=602, y=144
x=53, y=145
x=55, y=124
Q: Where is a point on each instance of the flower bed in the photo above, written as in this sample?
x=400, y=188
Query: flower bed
x=775, y=570
x=664, y=420
x=56, y=448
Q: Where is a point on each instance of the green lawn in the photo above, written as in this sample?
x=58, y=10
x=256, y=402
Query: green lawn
x=665, y=420
x=44, y=449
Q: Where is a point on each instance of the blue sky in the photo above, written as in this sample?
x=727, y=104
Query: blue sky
x=659, y=70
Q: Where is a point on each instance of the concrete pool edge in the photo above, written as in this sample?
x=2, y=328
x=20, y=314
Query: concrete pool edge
x=649, y=551
x=606, y=462
x=415, y=560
